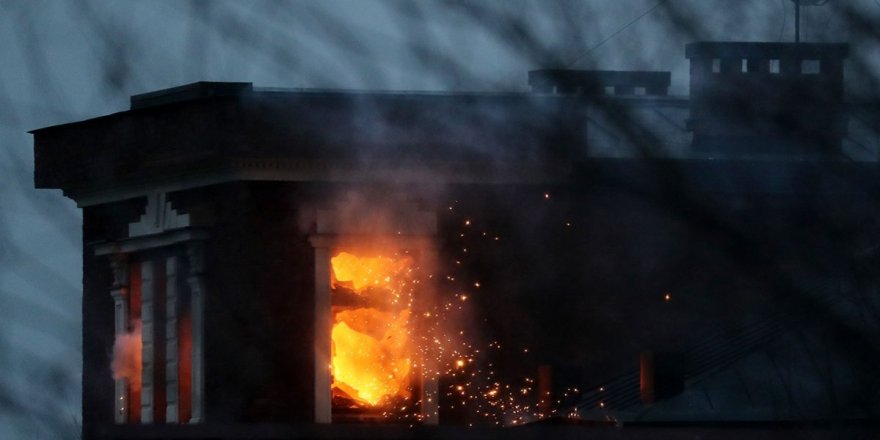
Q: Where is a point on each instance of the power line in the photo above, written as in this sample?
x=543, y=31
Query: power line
x=596, y=46
x=784, y=19
x=797, y=14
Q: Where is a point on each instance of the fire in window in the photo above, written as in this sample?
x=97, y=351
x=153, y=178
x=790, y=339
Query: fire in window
x=372, y=352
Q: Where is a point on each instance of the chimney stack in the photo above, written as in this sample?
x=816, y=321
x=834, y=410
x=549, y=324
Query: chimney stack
x=777, y=99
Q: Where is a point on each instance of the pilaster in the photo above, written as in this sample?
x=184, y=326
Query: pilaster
x=119, y=291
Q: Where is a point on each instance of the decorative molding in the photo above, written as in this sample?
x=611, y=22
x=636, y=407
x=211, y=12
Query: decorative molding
x=434, y=172
x=159, y=216
x=138, y=244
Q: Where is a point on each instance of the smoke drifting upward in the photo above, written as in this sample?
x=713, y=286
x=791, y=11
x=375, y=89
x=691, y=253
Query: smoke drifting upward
x=127, y=356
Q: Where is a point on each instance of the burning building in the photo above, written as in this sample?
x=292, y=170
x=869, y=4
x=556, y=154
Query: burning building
x=257, y=259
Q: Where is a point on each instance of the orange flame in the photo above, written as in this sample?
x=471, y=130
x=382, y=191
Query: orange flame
x=370, y=361
x=359, y=273
x=127, y=356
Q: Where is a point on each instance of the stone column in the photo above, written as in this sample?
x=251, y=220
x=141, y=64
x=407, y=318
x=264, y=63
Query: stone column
x=196, y=281
x=172, y=365
x=148, y=340
x=323, y=327
x=119, y=292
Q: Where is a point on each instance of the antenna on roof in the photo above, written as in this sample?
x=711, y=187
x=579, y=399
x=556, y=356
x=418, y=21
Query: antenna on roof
x=797, y=14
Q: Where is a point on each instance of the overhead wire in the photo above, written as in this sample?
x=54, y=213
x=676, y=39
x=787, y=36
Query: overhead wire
x=784, y=19
x=618, y=31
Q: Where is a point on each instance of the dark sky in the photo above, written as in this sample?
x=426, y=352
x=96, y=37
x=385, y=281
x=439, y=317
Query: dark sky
x=69, y=60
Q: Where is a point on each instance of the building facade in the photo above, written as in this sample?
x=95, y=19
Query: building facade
x=589, y=221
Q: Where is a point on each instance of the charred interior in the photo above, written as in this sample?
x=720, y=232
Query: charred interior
x=289, y=258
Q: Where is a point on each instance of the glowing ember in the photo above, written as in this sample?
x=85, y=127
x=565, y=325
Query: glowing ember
x=371, y=354
x=127, y=357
